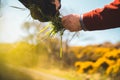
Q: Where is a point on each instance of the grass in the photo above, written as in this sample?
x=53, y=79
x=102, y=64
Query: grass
x=55, y=25
x=73, y=75
x=21, y=54
x=7, y=73
x=37, y=13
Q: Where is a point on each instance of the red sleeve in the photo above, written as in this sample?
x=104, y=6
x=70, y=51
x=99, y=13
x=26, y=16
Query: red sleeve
x=104, y=18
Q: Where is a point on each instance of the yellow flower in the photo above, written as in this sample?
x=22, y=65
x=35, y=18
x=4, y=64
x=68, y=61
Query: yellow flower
x=84, y=66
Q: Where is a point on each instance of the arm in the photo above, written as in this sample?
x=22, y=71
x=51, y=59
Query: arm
x=99, y=19
x=104, y=18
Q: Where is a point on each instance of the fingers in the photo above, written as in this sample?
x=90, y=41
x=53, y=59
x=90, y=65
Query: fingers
x=71, y=22
x=64, y=20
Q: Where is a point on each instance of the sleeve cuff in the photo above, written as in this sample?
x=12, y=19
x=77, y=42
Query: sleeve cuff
x=82, y=23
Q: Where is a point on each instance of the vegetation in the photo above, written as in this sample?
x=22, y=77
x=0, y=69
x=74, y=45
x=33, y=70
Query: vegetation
x=40, y=10
x=45, y=11
x=99, y=58
x=102, y=60
x=35, y=52
x=37, y=58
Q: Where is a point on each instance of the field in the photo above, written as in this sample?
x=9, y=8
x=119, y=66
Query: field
x=24, y=61
x=41, y=51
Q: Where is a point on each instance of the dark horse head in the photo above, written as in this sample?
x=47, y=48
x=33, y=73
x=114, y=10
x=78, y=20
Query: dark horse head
x=41, y=8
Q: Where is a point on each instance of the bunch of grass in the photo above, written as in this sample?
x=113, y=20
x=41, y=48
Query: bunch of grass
x=55, y=27
x=55, y=24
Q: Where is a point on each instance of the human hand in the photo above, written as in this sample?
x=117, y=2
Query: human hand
x=72, y=22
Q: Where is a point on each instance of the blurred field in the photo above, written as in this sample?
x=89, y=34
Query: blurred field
x=36, y=56
x=24, y=61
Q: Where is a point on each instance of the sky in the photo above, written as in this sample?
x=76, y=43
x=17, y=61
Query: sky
x=12, y=19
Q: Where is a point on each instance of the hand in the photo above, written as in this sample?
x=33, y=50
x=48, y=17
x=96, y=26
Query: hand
x=72, y=22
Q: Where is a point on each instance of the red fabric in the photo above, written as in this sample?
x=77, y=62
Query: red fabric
x=104, y=18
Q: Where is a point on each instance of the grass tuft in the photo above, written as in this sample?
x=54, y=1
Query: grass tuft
x=55, y=24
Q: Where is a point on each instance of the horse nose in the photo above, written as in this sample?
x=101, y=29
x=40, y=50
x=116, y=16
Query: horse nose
x=59, y=6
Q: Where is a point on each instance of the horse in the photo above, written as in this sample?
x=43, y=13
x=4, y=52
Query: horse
x=43, y=9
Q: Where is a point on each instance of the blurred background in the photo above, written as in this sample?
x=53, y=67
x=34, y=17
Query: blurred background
x=26, y=54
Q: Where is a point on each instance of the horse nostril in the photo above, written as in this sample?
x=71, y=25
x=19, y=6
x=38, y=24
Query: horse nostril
x=59, y=6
